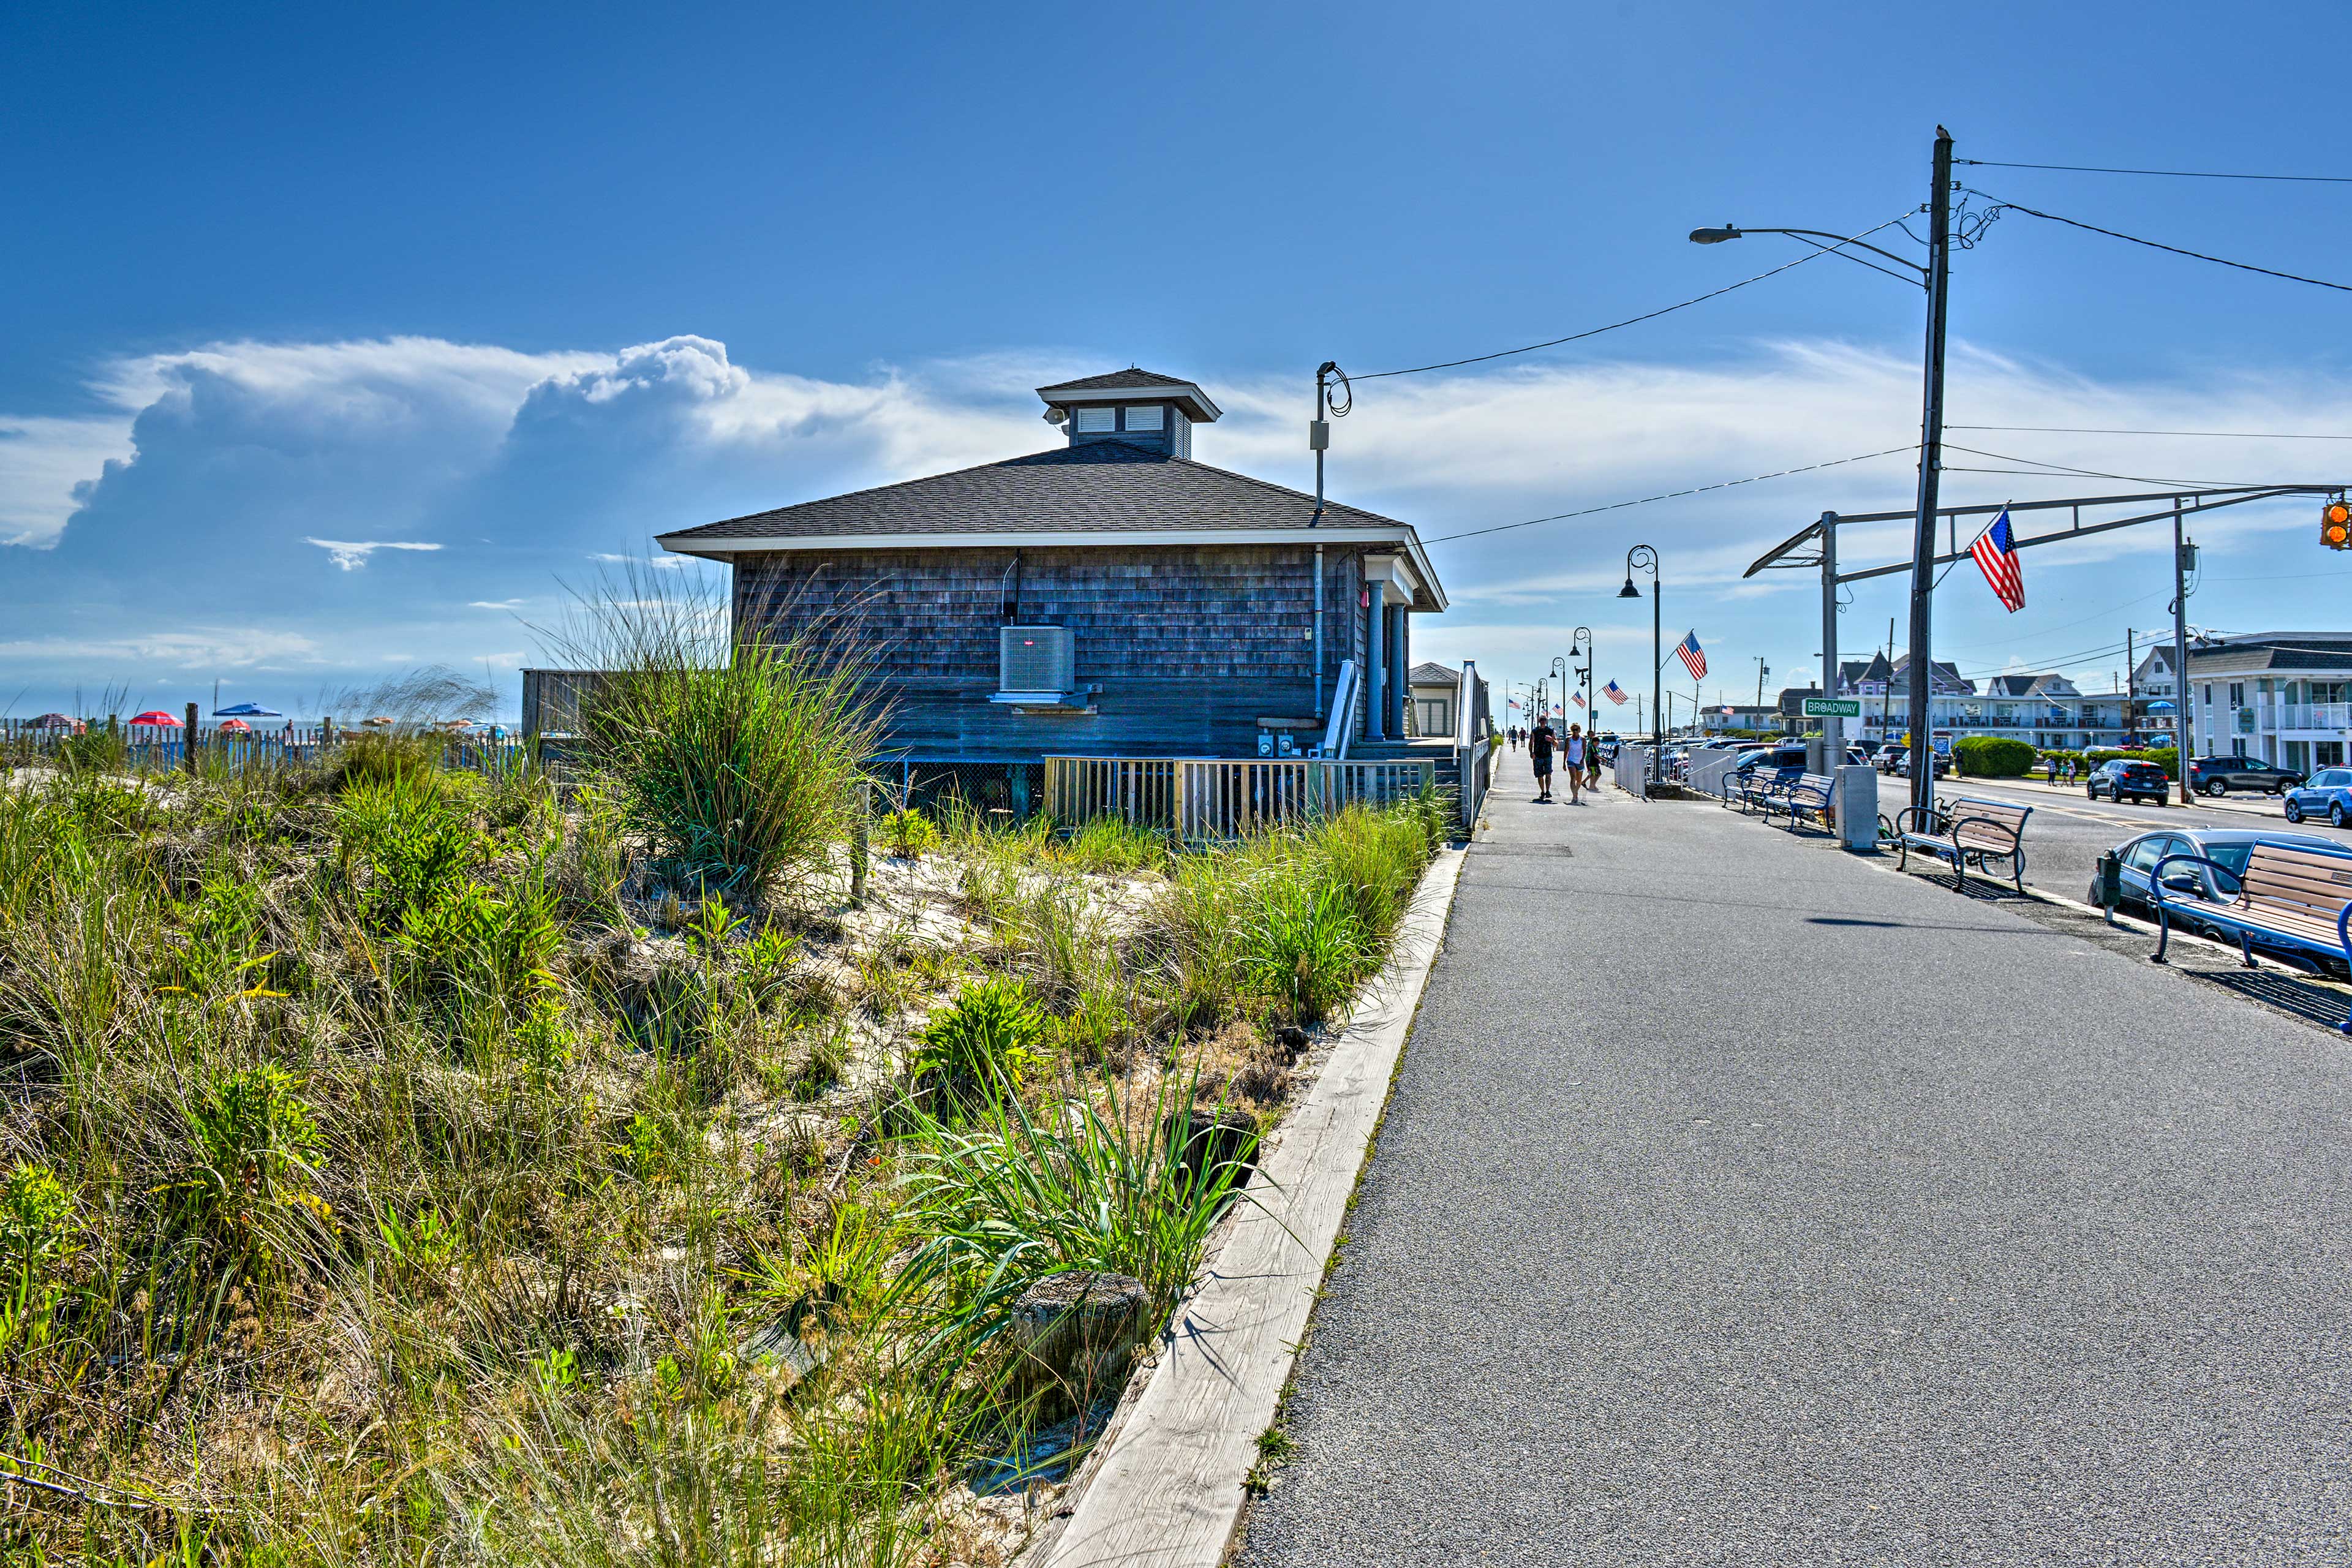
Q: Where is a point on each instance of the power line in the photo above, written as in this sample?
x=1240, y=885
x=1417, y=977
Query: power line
x=2084, y=430
x=1628, y=321
x=1670, y=495
x=2172, y=174
x=2159, y=244
x=2088, y=473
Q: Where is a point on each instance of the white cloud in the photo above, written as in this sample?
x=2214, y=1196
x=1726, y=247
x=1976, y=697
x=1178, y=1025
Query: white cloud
x=197, y=647
x=44, y=461
x=663, y=563
x=350, y=555
x=494, y=603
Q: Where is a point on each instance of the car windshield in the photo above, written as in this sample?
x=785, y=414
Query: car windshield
x=2233, y=855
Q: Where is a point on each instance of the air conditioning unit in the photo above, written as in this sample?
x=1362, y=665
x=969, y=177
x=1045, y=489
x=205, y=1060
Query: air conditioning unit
x=1035, y=662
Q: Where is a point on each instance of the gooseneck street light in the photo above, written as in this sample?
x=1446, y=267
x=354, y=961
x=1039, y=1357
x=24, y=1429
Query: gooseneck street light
x=1643, y=556
x=1936, y=279
x=1580, y=641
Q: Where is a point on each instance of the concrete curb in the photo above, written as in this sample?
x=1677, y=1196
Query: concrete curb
x=1165, y=1485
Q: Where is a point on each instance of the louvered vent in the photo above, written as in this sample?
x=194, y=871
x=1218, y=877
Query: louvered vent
x=1034, y=659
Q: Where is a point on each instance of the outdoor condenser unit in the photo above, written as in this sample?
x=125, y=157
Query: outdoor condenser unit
x=1035, y=662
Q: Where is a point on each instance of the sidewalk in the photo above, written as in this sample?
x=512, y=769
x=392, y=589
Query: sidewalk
x=1739, y=1203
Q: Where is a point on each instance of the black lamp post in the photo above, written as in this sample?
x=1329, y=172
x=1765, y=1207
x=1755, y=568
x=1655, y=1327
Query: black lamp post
x=1643, y=556
x=1560, y=667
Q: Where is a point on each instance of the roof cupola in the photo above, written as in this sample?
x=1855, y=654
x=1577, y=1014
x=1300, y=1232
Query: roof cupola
x=1140, y=407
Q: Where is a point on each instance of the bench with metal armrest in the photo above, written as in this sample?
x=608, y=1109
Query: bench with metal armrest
x=1755, y=789
x=1810, y=796
x=1967, y=833
x=2287, y=896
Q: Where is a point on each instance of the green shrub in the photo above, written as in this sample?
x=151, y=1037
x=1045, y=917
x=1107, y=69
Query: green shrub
x=1305, y=944
x=1992, y=756
x=371, y=756
x=907, y=833
x=731, y=756
x=984, y=1042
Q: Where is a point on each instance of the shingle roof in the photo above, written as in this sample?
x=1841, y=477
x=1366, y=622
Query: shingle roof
x=1431, y=673
x=1099, y=487
x=1115, y=381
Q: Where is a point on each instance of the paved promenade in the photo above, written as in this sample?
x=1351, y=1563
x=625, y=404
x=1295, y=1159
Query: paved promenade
x=1739, y=1203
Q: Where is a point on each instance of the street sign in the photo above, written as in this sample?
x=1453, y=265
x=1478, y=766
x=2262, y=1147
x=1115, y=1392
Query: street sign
x=1833, y=706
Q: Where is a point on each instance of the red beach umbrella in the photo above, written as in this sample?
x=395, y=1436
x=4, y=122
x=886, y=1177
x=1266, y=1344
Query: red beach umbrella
x=236, y=727
x=158, y=718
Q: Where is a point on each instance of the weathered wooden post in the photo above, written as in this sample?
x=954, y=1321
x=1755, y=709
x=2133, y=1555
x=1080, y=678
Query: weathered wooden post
x=857, y=829
x=188, y=741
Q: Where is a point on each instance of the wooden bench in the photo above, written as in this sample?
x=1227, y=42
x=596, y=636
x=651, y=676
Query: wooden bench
x=1754, y=789
x=1809, y=795
x=1967, y=833
x=2297, y=899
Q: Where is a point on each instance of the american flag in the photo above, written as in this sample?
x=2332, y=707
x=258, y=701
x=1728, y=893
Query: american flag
x=1614, y=693
x=1577, y=698
x=1694, y=657
x=1996, y=557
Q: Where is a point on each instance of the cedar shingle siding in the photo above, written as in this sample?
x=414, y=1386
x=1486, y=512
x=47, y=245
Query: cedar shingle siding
x=1192, y=645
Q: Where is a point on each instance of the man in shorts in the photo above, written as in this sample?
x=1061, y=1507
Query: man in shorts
x=1539, y=745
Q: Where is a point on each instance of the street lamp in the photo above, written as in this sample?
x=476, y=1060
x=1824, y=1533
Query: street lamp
x=1936, y=279
x=1583, y=636
x=1560, y=667
x=1643, y=556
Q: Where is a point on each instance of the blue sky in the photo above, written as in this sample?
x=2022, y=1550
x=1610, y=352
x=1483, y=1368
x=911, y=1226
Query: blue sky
x=527, y=286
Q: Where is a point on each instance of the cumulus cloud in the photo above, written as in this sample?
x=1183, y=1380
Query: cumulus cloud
x=350, y=554
x=208, y=472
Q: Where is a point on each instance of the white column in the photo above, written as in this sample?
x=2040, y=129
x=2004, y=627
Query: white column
x=1376, y=665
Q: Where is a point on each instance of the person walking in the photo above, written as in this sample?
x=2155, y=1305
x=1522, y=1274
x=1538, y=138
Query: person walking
x=1539, y=748
x=1572, y=752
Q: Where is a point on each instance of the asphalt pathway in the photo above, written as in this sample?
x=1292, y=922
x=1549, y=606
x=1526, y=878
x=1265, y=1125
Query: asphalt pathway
x=1740, y=1202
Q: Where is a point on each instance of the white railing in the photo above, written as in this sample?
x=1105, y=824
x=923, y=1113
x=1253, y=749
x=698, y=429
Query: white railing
x=2314, y=715
x=1344, y=692
x=1217, y=797
x=1473, y=746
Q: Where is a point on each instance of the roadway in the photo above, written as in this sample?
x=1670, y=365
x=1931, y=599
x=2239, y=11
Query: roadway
x=1739, y=1203
x=2068, y=833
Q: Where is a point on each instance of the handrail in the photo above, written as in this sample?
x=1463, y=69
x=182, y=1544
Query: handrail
x=1340, y=727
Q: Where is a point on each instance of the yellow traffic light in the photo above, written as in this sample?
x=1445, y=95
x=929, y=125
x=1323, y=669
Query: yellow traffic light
x=2336, y=525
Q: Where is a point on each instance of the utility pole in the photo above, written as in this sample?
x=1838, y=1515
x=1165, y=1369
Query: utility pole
x=1762, y=670
x=1319, y=438
x=2182, y=554
x=1931, y=462
x=1886, y=687
x=2130, y=681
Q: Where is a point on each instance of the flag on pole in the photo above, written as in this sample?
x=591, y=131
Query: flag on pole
x=1614, y=693
x=1577, y=698
x=1694, y=657
x=1996, y=557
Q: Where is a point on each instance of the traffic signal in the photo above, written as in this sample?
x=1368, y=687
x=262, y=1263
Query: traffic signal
x=2336, y=525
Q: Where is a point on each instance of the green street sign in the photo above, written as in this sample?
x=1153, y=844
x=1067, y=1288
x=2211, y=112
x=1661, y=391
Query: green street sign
x=1833, y=706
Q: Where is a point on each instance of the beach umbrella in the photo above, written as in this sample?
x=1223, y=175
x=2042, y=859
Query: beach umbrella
x=2157, y=707
x=247, y=711
x=158, y=718
x=51, y=721
x=236, y=727
x=381, y=721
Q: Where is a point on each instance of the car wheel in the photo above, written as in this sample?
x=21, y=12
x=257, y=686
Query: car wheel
x=2217, y=789
x=2335, y=813
x=2091, y=792
x=2293, y=812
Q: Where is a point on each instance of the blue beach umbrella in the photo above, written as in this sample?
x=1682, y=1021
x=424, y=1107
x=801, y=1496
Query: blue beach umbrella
x=247, y=711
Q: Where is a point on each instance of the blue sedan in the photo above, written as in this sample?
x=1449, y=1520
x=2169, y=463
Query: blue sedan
x=2328, y=793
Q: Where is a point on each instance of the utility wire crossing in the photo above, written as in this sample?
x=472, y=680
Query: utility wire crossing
x=2159, y=244
x=1628, y=321
x=1672, y=495
x=2169, y=174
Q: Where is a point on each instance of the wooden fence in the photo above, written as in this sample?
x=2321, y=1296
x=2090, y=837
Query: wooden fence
x=154, y=749
x=1219, y=797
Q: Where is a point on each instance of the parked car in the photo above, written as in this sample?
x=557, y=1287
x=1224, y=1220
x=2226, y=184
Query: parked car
x=2219, y=775
x=2119, y=780
x=2328, y=793
x=1900, y=766
x=2229, y=846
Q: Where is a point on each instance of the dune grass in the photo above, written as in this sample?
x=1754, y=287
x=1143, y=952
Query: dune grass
x=386, y=1175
